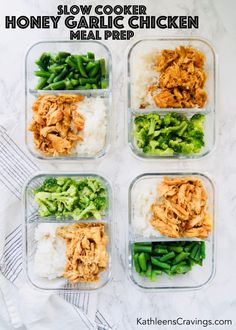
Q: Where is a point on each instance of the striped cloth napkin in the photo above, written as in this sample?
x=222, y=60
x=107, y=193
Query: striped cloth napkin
x=81, y=313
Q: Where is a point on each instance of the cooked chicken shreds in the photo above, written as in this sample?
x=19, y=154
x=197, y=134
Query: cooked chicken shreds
x=56, y=123
x=181, y=208
x=86, y=251
x=182, y=78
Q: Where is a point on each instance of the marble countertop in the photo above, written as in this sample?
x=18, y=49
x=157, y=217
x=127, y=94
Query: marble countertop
x=121, y=301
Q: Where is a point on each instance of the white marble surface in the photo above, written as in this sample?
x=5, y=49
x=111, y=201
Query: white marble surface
x=121, y=301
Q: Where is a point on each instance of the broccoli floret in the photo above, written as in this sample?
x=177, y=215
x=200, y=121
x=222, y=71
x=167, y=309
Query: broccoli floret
x=197, y=121
x=61, y=180
x=100, y=202
x=49, y=184
x=86, y=213
x=141, y=137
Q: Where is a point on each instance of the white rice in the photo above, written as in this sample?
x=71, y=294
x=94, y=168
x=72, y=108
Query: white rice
x=50, y=256
x=143, y=195
x=143, y=74
x=94, y=110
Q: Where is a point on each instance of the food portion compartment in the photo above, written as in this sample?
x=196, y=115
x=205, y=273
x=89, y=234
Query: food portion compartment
x=66, y=65
x=68, y=126
x=171, y=231
x=68, y=234
x=179, y=72
x=172, y=269
x=161, y=134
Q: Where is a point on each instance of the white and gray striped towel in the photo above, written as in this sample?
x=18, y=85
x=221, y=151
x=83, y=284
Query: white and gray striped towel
x=37, y=310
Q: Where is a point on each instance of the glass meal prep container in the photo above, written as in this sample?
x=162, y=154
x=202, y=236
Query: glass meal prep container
x=198, y=276
x=31, y=94
x=146, y=46
x=32, y=219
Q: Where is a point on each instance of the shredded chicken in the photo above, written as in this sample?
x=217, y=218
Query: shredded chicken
x=56, y=123
x=181, y=208
x=182, y=78
x=86, y=251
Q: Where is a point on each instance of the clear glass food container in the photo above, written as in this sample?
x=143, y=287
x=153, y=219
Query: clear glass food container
x=74, y=47
x=32, y=219
x=155, y=45
x=198, y=276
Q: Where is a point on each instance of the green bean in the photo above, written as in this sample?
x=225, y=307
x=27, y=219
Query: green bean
x=142, y=261
x=88, y=86
x=149, y=270
x=56, y=68
x=194, y=251
x=136, y=263
x=72, y=62
x=180, y=257
x=68, y=84
x=80, y=66
x=177, y=249
x=160, y=264
x=153, y=276
x=157, y=271
x=44, y=61
x=142, y=248
x=61, y=75
x=84, y=81
x=57, y=85
x=74, y=82
x=70, y=75
x=198, y=254
x=76, y=76
x=93, y=72
x=174, y=267
x=203, y=250
x=167, y=256
x=102, y=66
x=42, y=74
x=160, y=250
x=42, y=83
x=182, y=269
x=85, y=59
x=94, y=86
x=142, y=274
x=90, y=55
x=63, y=54
x=90, y=66
x=52, y=76
x=167, y=271
x=104, y=83
x=189, y=247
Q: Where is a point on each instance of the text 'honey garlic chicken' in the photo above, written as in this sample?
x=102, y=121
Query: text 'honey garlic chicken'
x=56, y=123
x=86, y=251
x=181, y=208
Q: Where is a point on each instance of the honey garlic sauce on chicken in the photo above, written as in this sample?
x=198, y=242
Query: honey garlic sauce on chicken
x=182, y=78
x=56, y=123
x=181, y=208
x=86, y=251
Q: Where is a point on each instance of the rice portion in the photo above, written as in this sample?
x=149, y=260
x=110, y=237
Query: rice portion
x=50, y=256
x=143, y=195
x=144, y=74
x=94, y=110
